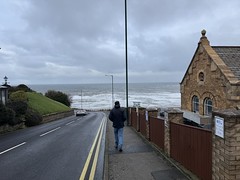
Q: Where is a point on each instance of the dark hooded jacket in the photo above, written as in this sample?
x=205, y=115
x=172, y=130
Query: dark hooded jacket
x=117, y=116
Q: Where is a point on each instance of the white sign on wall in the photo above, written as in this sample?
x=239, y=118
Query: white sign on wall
x=219, y=126
x=146, y=114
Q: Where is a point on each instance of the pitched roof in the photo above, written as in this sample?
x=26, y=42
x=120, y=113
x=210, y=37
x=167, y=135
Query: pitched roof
x=231, y=57
x=226, y=58
x=3, y=87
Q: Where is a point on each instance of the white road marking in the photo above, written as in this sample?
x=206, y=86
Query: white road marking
x=69, y=123
x=12, y=148
x=50, y=131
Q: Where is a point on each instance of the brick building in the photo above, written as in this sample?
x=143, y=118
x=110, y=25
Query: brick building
x=212, y=80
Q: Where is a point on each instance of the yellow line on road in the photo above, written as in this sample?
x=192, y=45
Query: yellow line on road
x=83, y=174
x=93, y=170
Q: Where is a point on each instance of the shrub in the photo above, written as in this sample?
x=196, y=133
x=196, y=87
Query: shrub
x=32, y=118
x=7, y=115
x=15, y=120
x=18, y=103
x=20, y=107
x=59, y=96
x=24, y=87
x=20, y=87
x=18, y=96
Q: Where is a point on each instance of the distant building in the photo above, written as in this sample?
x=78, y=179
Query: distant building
x=3, y=94
x=211, y=82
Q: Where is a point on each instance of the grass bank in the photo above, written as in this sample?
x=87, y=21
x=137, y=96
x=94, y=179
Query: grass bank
x=45, y=105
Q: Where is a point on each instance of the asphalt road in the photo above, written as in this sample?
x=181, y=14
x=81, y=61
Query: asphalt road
x=68, y=149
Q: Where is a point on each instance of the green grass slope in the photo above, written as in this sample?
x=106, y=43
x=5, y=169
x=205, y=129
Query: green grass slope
x=45, y=105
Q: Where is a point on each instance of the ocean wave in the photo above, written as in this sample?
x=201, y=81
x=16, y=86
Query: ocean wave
x=99, y=96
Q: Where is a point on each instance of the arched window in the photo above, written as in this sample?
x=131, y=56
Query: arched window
x=208, y=106
x=201, y=76
x=195, y=104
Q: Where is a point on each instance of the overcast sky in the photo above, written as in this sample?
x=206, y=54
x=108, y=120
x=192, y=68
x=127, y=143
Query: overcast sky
x=80, y=41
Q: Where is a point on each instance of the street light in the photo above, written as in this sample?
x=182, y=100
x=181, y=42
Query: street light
x=126, y=59
x=5, y=79
x=112, y=88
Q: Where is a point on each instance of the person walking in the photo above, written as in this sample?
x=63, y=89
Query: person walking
x=117, y=116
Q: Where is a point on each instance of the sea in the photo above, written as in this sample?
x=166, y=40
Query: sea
x=101, y=96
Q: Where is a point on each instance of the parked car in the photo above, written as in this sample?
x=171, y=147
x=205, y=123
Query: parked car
x=81, y=112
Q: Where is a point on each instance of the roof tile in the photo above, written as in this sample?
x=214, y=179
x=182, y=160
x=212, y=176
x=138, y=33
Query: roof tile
x=231, y=57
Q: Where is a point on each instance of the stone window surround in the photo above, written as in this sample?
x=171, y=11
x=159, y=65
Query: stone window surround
x=201, y=101
x=195, y=103
x=207, y=104
x=201, y=76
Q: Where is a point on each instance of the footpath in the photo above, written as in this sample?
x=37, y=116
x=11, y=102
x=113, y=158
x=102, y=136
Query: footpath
x=138, y=160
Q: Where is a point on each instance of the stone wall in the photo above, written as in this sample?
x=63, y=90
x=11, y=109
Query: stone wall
x=55, y=116
x=226, y=150
x=47, y=118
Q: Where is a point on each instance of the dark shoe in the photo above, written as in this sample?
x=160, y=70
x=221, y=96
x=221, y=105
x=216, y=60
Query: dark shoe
x=116, y=147
x=120, y=147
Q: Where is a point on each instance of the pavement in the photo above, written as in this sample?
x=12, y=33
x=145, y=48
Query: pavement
x=139, y=159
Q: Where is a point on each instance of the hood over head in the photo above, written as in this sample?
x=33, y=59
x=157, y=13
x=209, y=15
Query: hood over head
x=117, y=104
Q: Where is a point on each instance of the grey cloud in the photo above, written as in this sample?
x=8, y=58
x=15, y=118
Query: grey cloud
x=74, y=19
x=81, y=41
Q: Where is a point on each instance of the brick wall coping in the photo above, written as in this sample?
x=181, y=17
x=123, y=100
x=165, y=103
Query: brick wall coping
x=227, y=113
x=174, y=110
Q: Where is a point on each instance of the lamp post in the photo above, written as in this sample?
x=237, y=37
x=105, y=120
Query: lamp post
x=112, y=88
x=5, y=79
x=126, y=60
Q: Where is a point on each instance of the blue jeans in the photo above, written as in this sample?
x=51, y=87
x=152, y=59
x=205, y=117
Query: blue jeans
x=118, y=133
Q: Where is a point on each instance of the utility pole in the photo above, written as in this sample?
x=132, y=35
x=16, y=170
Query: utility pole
x=81, y=99
x=112, y=89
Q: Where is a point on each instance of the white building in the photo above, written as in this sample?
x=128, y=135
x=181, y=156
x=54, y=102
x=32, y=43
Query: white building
x=3, y=94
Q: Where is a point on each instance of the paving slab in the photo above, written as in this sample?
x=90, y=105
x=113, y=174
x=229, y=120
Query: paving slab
x=138, y=160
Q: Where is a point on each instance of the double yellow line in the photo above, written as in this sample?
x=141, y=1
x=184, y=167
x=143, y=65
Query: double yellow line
x=94, y=164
